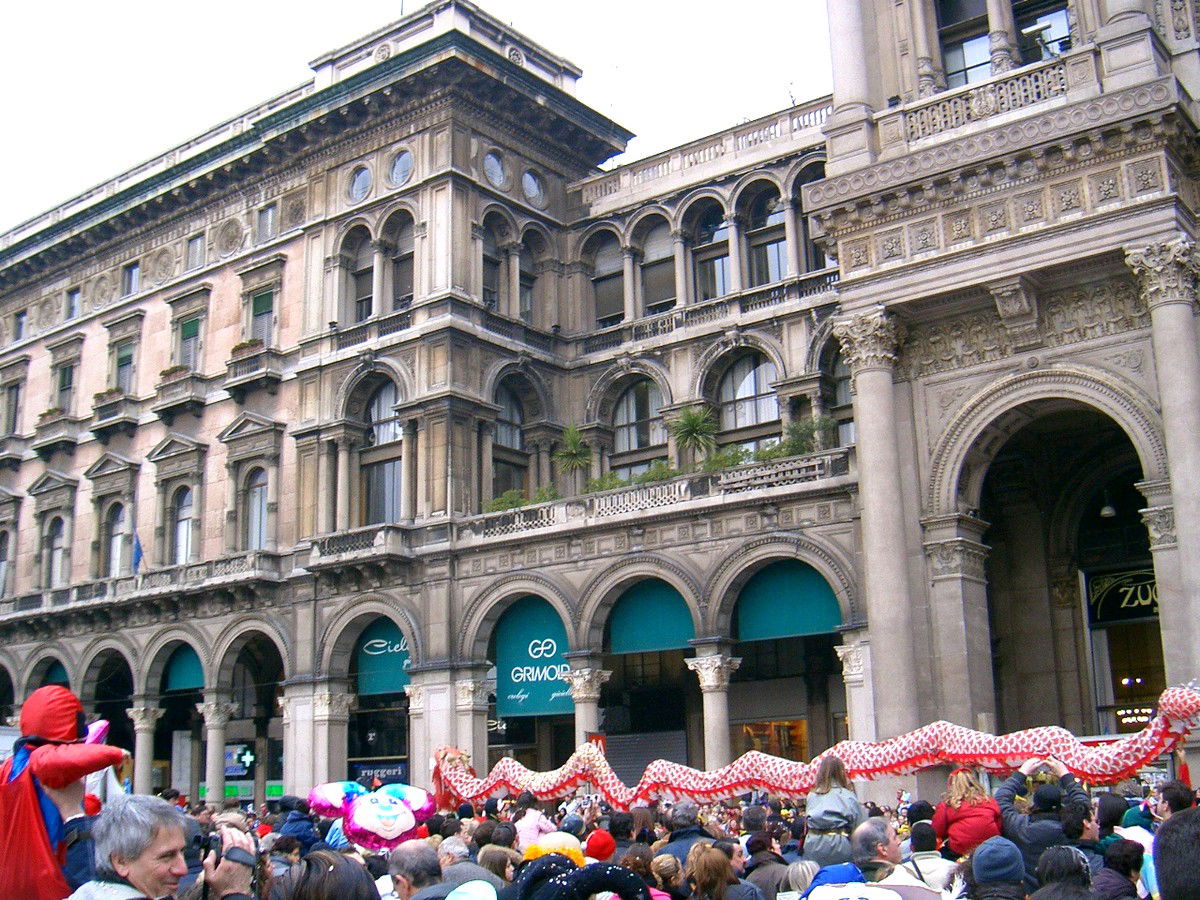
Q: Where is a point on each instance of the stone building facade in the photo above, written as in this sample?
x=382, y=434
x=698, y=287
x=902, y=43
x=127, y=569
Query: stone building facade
x=260, y=394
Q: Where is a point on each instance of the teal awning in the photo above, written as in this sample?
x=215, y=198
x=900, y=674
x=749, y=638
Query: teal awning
x=184, y=671
x=650, y=616
x=786, y=599
x=56, y=674
x=531, y=648
x=382, y=656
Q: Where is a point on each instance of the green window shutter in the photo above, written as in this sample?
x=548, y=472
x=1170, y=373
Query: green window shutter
x=189, y=329
x=264, y=303
x=125, y=355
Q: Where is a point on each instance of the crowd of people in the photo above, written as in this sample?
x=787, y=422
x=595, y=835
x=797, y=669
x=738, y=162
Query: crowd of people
x=1039, y=836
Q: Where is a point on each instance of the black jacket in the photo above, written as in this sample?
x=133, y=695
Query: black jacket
x=1035, y=832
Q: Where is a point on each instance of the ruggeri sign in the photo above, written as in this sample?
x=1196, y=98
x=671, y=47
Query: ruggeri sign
x=531, y=648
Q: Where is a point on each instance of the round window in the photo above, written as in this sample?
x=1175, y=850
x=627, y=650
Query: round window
x=360, y=183
x=534, y=188
x=493, y=169
x=402, y=166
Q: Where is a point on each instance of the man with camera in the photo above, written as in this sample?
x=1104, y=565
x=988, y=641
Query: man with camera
x=139, y=855
x=1042, y=826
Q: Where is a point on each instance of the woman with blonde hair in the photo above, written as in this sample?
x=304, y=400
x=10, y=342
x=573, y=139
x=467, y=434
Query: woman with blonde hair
x=967, y=815
x=713, y=878
x=833, y=813
x=669, y=872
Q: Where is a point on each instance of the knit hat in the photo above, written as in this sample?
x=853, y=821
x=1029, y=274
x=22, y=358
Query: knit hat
x=600, y=845
x=466, y=811
x=53, y=713
x=1047, y=798
x=572, y=825
x=997, y=859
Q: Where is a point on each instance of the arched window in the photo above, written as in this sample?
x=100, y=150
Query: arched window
x=491, y=268
x=767, y=240
x=114, y=540
x=658, y=270
x=361, y=277
x=749, y=408
x=3, y=563
x=812, y=257
x=256, y=510
x=608, y=280
x=525, y=301
x=640, y=437
x=380, y=460
x=841, y=399
x=54, y=553
x=510, y=463
x=181, y=532
x=402, y=266
x=710, y=252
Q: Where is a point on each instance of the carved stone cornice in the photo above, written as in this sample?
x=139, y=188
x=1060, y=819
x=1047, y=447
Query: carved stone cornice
x=586, y=683
x=870, y=340
x=714, y=671
x=1160, y=522
x=1165, y=270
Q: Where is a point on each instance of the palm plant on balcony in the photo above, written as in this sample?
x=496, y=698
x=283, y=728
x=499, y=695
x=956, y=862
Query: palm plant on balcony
x=694, y=429
x=573, y=455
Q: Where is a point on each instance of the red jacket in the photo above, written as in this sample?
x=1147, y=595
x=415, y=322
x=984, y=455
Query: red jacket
x=968, y=826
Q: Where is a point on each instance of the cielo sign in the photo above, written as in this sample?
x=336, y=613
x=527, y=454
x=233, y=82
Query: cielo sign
x=380, y=646
x=531, y=646
x=382, y=658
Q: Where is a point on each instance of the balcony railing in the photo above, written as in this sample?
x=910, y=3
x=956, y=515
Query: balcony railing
x=371, y=329
x=58, y=431
x=382, y=545
x=261, y=368
x=183, y=392
x=12, y=450
x=113, y=412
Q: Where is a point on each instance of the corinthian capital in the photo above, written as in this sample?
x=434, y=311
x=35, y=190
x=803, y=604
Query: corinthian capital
x=586, y=683
x=216, y=713
x=1166, y=271
x=870, y=340
x=144, y=717
x=714, y=671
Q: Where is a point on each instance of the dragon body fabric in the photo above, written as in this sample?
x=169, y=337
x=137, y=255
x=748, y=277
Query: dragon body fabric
x=938, y=743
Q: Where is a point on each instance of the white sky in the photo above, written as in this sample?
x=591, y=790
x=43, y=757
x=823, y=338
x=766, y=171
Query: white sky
x=90, y=89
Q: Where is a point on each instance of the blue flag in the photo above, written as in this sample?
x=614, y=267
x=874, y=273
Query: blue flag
x=137, y=553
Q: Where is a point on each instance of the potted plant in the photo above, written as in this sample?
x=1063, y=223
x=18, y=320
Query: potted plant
x=53, y=412
x=695, y=431
x=245, y=348
x=105, y=396
x=513, y=499
x=175, y=371
x=573, y=454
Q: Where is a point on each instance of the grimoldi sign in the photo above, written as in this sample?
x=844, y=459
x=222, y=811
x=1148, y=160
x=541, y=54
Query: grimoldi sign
x=1116, y=597
x=531, y=647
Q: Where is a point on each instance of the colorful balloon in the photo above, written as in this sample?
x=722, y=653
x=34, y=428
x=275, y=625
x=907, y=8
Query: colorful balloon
x=378, y=821
x=333, y=798
x=97, y=732
x=419, y=800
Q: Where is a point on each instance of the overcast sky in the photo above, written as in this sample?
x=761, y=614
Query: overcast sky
x=91, y=89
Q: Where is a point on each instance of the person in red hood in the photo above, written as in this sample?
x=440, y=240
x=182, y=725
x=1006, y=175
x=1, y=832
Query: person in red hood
x=42, y=791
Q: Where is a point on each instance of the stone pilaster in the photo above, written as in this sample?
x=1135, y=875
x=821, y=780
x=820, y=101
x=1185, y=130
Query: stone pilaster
x=1167, y=273
x=585, y=692
x=471, y=706
x=145, y=718
x=714, y=671
x=331, y=720
x=855, y=657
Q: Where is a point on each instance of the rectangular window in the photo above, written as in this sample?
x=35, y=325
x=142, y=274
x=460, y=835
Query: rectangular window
x=20, y=318
x=768, y=262
x=362, y=295
x=262, y=316
x=491, y=282
x=402, y=281
x=610, y=299
x=12, y=407
x=712, y=277
x=195, y=252
x=71, y=306
x=658, y=285
x=382, y=483
x=267, y=222
x=65, y=388
x=189, y=342
x=124, y=373
x=1043, y=34
x=526, y=302
x=131, y=279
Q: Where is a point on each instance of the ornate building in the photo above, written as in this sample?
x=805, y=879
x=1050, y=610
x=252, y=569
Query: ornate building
x=379, y=417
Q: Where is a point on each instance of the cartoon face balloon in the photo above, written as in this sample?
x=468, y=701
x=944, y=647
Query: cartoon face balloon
x=97, y=732
x=419, y=800
x=379, y=822
x=332, y=799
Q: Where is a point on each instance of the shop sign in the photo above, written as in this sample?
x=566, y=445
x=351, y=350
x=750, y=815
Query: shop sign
x=531, y=658
x=383, y=658
x=1116, y=597
x=239, y=758
x=386, y=772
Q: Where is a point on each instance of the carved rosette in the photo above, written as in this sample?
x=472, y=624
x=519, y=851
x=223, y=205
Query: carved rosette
x=714, y=671
x=870, y=340
x=144, y=717
x=956, y=558
x=1166, y=271
x=416, y=699
x=1160, y=522
x=333, y=705
x=216, y=713
x=470, y=695
x=586, y=683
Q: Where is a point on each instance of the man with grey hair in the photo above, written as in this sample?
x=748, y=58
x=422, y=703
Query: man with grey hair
x=455, y=859
x=415, y=872
x=139, y=854
x=685, y=830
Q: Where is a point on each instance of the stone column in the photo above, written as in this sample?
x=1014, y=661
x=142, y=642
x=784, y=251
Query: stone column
x=343, y=484
x=1159, y=517
x=870, y=343
x=272, y=538
x=1117, y=10
x=512, y=305
x=962, y=644
x=585, y=692
x=1002, y=33
x=217, y=711
x=930, y=77
x=330, y=739
x=713, y=672
x=144, y=720
x=630, y=282
x=855, y=656
x=734, y=243
x=324, y=492
x=851, y=91
x=487, y=434
x=791, y=237
x=295, y=710
x=471, y=706
x=1167, y=274
x=682, y=295
x=261, y=751
x=408, y=471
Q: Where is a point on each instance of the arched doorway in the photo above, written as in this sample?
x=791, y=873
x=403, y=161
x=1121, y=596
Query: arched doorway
x=651, y=707
x=8, y=698
x=108, y=693
x=1065, y=539
x=786, y=698
x=254, y=733
x=531, y=716
x=179, y=733
x=379, y=734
